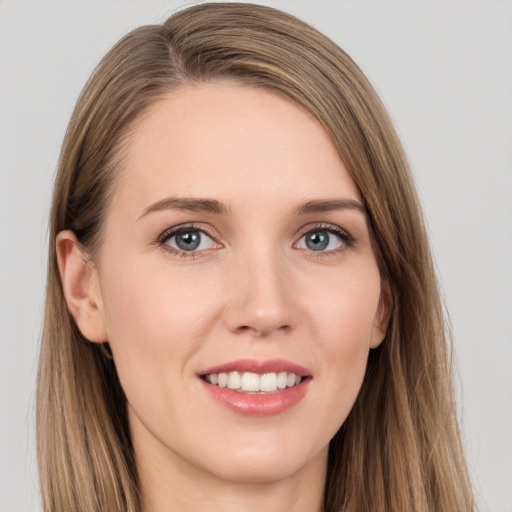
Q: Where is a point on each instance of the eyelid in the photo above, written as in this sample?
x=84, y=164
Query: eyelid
x=326, y=226
x=347, y=239
x=181, y=228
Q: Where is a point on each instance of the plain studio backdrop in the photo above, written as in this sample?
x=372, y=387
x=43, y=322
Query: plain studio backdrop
x=443, y=69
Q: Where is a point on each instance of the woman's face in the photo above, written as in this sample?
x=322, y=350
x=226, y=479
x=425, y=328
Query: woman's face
x=236, y=253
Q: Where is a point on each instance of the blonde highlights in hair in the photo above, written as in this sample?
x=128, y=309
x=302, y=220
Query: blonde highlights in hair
x=399, y=450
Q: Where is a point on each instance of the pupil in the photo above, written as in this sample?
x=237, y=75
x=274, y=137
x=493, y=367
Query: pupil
x=188, y=241
x=317, y=241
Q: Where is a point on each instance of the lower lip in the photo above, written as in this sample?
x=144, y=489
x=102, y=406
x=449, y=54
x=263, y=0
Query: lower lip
x=265, y=404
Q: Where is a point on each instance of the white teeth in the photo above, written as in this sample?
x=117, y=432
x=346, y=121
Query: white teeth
x=268, y=382
x=290, y=381
x=250, y=382
x=234, y=380
x=282, y=377
x=223, y=380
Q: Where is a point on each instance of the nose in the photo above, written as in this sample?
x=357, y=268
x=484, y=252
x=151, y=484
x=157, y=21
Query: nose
x=261, y=297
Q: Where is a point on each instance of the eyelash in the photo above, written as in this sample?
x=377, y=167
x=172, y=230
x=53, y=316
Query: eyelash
x=183, y=228
x=346, y=239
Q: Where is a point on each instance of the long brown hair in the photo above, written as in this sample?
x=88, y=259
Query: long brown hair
x=399, y=450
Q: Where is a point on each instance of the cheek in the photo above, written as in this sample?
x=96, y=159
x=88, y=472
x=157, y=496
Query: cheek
x=155, y=321
x=152, y=306
x=344, y=321
x=345, y=310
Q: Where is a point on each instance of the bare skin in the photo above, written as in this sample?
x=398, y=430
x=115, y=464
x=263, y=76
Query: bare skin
x=235, y=232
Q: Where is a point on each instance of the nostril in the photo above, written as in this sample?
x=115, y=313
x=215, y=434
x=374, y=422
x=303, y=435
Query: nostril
x=262, y=331
x=260, y=310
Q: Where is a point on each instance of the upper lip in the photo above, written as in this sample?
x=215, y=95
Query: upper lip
x=260, y=367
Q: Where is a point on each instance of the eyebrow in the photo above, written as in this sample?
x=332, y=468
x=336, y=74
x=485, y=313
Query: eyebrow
x=213, y=206
x=186, y=204
x=324, y=205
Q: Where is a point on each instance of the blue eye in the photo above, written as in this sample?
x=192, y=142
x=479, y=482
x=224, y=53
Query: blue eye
x=189, y=240
x=325, y=240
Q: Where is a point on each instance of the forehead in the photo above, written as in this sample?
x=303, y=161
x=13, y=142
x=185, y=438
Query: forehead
x=228, y=141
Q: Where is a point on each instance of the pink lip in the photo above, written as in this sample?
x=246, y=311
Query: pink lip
x=255, y=404
x=265, y=404
x=260, y=367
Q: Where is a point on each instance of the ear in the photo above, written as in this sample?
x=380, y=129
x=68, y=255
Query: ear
x=382, y=316
x=81, y=288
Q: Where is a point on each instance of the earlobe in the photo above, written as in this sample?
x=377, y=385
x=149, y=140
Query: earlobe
x=382, y=316
x=81, y=289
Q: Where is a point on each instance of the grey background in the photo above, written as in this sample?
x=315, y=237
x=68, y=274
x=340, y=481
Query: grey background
x=443, y=68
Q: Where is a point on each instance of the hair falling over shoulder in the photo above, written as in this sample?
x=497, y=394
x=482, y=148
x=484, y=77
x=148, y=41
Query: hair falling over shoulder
x=400, y=449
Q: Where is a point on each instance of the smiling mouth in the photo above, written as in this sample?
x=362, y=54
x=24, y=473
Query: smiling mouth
x=257, y=387
x=249, y=382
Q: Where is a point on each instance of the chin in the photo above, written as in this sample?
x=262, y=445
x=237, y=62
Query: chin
x=263, y=465
x=255, y=473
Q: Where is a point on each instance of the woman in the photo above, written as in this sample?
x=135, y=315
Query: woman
x=241, y=309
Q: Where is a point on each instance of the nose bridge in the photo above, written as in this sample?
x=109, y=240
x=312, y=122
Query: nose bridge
x=261, y=298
